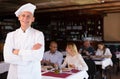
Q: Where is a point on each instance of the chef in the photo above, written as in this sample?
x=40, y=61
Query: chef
x=24, y=47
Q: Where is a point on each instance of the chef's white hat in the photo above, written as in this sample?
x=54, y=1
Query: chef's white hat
x=26, y=7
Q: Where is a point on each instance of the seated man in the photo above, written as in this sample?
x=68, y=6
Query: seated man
x=53, y=56
x=87, y=49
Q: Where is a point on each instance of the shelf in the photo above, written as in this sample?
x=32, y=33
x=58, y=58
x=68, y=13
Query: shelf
x=74, y=27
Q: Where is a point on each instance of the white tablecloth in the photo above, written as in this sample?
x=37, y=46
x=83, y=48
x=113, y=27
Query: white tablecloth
x=4, y=67
x=78, y=75
x=105, y=62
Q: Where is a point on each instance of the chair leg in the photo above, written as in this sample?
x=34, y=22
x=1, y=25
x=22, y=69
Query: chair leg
x=116, y=68
x=108, y=72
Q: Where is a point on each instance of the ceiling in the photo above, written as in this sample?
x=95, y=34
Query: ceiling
x=104, y=6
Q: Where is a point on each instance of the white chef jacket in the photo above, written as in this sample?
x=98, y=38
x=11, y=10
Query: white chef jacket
x=25, y=65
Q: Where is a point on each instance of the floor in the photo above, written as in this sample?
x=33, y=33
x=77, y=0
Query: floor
x=114, y=76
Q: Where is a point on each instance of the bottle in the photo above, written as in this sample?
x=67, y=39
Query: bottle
x=60, y=70
x=56, y=69
x=85, y=34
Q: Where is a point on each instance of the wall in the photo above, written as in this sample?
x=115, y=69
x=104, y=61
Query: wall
x=112, y=27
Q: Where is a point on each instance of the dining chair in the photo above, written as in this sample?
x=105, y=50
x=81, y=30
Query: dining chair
x=91, y=68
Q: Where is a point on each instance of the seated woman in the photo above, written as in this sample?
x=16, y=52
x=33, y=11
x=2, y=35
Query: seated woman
x=73, y=59
x=102, y=51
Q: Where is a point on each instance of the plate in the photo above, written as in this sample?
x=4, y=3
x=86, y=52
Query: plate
x=45, y=68
x=66, y=69
x=97, y=59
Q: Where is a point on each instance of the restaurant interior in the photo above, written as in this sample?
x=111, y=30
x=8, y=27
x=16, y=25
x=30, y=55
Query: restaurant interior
x=68, y=21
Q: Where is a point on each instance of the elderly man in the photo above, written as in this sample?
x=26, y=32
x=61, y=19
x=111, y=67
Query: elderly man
x=24, y=47
x=87, y=49
x=53, y=56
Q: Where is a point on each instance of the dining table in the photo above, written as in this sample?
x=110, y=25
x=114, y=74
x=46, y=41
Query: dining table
x=4, y=67
x=104, y=66
x=65, y=74
x=104, y=62
x=51, y=74
x=117, y=54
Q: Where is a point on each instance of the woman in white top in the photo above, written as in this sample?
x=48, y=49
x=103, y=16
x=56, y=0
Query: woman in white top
x=73, y=59
x=103, y=52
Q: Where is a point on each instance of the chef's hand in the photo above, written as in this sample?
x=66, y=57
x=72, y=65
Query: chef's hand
x=15, y=51
x=36, y=46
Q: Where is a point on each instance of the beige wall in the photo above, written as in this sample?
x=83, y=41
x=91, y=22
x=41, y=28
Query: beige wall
x=112, y=27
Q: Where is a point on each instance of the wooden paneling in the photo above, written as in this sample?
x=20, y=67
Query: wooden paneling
x=8, y=7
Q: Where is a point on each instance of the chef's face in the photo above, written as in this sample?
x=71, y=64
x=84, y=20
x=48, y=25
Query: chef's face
x=26, y=18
